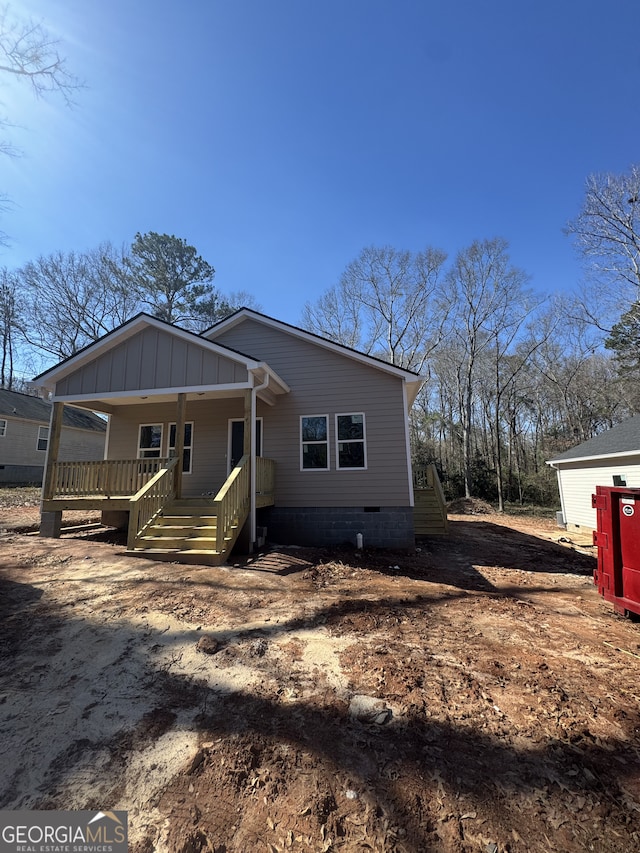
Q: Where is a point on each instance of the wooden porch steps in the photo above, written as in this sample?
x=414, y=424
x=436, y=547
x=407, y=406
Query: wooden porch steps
x=186, y=532
x=429, y=515
x=430, y=508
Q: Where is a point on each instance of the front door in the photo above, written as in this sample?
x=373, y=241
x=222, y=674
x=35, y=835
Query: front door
x=236, y=442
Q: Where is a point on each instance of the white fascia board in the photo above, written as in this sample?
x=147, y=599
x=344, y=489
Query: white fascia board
x=262, y=369
x=555, y=463
x=245, y=313
x=48, y=379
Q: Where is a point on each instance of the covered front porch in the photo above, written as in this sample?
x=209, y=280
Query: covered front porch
x=171, y=398
x=145, y=495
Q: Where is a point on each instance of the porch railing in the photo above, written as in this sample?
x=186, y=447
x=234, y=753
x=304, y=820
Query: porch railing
x=232, y=501
x=148, y=502
x=265, y=476
x=103, y=478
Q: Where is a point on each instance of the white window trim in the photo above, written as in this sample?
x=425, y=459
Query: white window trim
x=326, y=441
x=186, y=447
x=363, y=440
x=140, y=449
x=3, y=427
x=41, y=438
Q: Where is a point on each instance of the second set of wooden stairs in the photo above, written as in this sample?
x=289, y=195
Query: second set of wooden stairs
x=187, y=532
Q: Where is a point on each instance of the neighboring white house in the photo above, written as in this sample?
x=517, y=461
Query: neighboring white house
x=609, y=459
x=24, y=436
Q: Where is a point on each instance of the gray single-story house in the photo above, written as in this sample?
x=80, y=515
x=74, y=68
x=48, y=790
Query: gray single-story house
x=252, y=424
x=609, y=459
x=24, y=436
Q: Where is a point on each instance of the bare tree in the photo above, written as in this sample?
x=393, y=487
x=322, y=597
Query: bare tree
x=10, y=308
x=30, y=55
x=483, y=290
x=387, y=304
x=28, y=52
x=74, y=298
x=606, y=233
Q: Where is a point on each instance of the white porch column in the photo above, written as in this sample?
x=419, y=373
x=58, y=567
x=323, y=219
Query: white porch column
x=179, y=449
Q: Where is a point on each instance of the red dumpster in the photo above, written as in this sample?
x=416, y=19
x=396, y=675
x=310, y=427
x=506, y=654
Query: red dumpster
x=617, y=575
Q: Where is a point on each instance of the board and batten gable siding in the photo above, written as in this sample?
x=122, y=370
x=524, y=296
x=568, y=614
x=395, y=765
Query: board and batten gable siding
x=578, y=481
x=326, y=382
x=19, y=445
x=210, y=431
x=150, y=359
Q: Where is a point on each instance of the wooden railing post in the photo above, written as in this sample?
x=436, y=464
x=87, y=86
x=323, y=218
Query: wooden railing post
x=53, y=448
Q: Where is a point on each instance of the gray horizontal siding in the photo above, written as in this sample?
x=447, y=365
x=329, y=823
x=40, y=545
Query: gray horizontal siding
x=152, y=358
x=324, y=382
x=19, y=445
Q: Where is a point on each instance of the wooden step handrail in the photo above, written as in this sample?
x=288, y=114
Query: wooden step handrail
x=231, y=504
x=148, y=502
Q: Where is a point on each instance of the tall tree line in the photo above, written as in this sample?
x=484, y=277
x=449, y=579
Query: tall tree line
x=513, y=377
x=54, y=306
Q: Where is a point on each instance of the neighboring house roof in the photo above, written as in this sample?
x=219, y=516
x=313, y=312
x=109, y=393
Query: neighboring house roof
x=25, y=407
x=414, y=380
x=620, y=440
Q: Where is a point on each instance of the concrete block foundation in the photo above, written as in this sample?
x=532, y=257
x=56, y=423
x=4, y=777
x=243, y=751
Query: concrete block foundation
x=381, y=527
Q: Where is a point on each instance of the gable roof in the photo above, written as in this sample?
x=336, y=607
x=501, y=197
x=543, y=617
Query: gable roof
x=413, y=380
x=621, y=440
x=48, y=378
x=24, y=407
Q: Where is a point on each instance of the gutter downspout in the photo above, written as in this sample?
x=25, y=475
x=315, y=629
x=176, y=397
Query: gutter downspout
x=562, y=503
x=252, y=510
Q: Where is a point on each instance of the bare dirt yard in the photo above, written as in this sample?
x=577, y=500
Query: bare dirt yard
x=475, y=694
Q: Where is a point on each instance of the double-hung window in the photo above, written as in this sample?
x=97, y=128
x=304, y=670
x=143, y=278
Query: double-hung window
x=3, y=427
x=314, y=443
x=149, y=441
x=43, y=438
x=351, y=441
x=188, y=445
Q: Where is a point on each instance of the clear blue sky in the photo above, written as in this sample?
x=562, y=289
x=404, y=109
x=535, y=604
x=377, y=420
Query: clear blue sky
x=280, y=137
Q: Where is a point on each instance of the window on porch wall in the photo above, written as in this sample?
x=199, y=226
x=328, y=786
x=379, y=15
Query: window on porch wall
x=149, y=441
x=188, y=445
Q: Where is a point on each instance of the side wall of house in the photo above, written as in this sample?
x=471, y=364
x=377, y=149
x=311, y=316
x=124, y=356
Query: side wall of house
x=317, y=507
x=18, y=446
x=81, y=444
x=323, y=382
x=578, y=481
x=22, y=462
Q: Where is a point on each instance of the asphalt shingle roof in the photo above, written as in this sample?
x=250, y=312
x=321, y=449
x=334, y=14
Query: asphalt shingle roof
x=15, y=405
x=623, y=438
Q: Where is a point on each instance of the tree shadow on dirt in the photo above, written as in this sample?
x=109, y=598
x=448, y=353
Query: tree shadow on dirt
x=401, y=767
x=488, y=544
